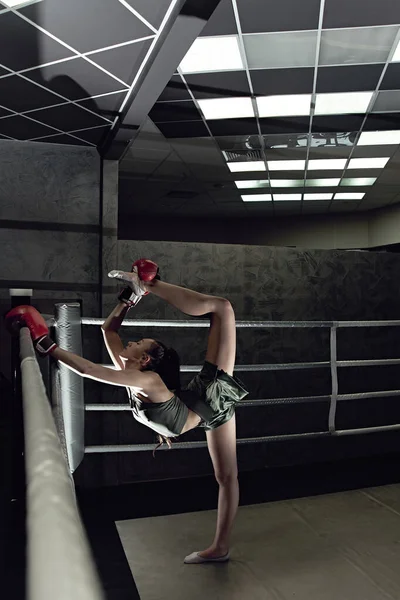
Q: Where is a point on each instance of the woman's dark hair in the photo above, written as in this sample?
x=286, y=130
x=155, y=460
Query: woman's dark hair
x=165, y=361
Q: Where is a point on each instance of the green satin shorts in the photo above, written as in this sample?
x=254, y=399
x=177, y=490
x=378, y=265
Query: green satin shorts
x=220, y=392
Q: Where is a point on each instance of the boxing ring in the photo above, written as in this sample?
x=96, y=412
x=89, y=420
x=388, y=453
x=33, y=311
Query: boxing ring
x=55, y=444
x=69, y=389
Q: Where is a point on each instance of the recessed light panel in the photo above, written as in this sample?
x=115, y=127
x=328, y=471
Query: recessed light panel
x=226, y=108
x=396, y=55
x=318, y=196
x=254, y=183
x=255, y=165
x=379, y=138
x=13, y=3
x=279, y=197
x=343, y=104
x=213, y=54
x=358, y=181
x=368, y=163
x=351, y=196
x=322, y=182
x=257, y=198
x=286, y=165
x=287, y=183
x=327, y=164
x=284, y=106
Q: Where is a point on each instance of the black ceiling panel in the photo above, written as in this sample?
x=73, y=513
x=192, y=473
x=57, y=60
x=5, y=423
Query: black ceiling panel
x=174, y=111
x=348, y=78
x=67, y=117
x=93, y=135
x=175, y=90
x=382, y=121
x=114, y=24
x=20, y=95
x=335, y=123
x=4, y=112
x=187, y=129
x=282, y=81
x=358, y=13
x=22, y=128
x=391, y=80
x=62, y=139
x=218, y=85
x=74, y=79
x=23, y=46
x=269, y=15
x=107, y=106
x=222, y=21
x=153, y=12
x=124, y=61
x=277, y=125
x=233, y=126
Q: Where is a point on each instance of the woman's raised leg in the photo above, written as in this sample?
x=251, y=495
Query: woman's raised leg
x=221, y=348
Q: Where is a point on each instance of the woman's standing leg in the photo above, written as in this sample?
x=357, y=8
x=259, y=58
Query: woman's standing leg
x=222, y=448
x=221, y=351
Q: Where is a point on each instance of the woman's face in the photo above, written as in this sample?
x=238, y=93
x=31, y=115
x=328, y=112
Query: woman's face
x=137, y=350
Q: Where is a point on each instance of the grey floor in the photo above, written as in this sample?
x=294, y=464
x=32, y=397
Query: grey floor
x=339, y=546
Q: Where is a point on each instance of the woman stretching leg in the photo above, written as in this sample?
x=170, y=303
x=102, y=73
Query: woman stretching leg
x=221, y=351
x=150, y=373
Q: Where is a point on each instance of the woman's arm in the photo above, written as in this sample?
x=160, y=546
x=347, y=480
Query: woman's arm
x=115, y=318
x=144, y=382
x=112, y=340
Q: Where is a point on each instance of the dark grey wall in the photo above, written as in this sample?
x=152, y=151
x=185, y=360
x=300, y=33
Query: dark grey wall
x=49, y=226
x=266, y=284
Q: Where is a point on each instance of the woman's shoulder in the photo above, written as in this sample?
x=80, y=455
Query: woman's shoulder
x=155, y=388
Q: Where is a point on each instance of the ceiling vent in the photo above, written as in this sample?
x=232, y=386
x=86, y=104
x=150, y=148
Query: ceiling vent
x=245, y=155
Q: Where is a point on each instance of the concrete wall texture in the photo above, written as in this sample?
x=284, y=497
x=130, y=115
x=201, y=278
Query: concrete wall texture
x=265, y=283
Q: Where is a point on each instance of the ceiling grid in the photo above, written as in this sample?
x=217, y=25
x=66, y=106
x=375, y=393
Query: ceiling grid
x=54, y=99
x=322, y=56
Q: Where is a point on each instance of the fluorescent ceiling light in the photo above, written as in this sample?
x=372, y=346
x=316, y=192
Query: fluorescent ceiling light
x=342, y=104
x=287, y=197
x=12, y=3
x=352, y=196
x=327, y=164
x=213, y=54
x=286, y=165
x=254, y=183
x=379, y=138
x=226, y=108
x=322, y=182
x=318, y=196
x=255, y=165
x=368, y=163
x=287, y=182
x=296, y=105
x=358, y=181
x=257, y=198
x=396, y=55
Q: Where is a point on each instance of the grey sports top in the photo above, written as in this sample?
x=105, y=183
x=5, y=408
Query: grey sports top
x=166, y=418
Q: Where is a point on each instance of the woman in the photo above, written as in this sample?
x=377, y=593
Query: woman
x=150, y=372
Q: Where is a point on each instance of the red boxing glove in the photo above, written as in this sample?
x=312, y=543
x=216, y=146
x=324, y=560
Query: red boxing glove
x=146, y=269
x=28, y=316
